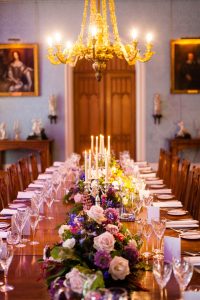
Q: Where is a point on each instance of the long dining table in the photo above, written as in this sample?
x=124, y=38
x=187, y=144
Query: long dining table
x=25, y=272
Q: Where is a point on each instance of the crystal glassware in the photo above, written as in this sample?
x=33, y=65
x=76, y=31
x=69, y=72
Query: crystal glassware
x=6, y=256
x=34, y=219
x=13, y=237
x=183, y=272
x=147, y=232
x=49, y=201
x=19, y=219
x=162, y=271
x=159, y=227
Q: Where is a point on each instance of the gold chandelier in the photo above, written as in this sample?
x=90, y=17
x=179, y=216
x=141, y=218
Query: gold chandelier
x=95, y=44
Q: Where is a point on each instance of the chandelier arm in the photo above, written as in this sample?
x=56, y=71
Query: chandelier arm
x=114, y=21
x=80, y=37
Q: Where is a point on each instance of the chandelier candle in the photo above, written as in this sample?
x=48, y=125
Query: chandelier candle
x=92, y=143
x=108, y=146
x=86, y=167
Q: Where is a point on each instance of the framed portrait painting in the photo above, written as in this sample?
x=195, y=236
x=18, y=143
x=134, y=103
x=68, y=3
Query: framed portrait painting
x=19, y=70
x=185, y=66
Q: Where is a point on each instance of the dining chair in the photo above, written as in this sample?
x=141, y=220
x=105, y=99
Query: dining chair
x=43, y=161
x=193, y=198
x=25, y=172
x=166, y=173
x=160, y=163
x=174, y=173
x=4, y=197
x=34, y=166
x=182, y=181
x=14, y=181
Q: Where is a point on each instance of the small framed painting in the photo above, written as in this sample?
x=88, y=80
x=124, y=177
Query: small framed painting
x=19, y=70
x=185, y=66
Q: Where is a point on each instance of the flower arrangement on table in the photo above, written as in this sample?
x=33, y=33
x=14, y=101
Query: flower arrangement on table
x=93, y=242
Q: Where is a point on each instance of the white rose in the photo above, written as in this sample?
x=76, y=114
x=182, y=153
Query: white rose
x=96, y=213
x=104, y=242
x=78, y=198
x=69, y=243
x=76, y=280
x=119, y=268
x=62, y=229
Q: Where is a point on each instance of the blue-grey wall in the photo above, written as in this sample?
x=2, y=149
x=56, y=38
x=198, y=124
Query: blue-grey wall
x=32, y=21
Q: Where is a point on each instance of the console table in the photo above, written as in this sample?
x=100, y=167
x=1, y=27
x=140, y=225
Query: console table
x=34, y=145
x=176, y=145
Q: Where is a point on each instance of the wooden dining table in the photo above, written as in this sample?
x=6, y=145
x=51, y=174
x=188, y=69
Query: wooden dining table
x=25, y=270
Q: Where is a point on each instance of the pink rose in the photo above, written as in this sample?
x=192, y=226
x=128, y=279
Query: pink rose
x=76, y=280
x=112, y=229
x=78, y=198
x=104, y=242
x=119, y=268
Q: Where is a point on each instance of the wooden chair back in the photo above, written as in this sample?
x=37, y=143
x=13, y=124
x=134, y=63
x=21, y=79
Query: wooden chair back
x=34, y=166
x=25, y=172
x=14, y=181
x=166, y=174
x=43, y=161
x=174, y=174
x=160, y=163
x=193, y=197
x=183, y=181
x=4, y=197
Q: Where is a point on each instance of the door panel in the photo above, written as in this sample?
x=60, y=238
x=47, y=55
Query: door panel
x=105, y=108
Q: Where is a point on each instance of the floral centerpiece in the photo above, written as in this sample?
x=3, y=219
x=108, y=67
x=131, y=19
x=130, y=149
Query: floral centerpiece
x=93, y=242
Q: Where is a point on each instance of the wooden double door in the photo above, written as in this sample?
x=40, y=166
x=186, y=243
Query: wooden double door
x=107, y=107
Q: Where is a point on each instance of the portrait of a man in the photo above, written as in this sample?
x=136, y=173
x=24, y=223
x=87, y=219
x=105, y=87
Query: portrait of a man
x=19, y=70
x=185, y=66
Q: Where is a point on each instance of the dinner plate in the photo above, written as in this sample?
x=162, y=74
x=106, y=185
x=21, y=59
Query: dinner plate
x=165, y=196
x=157, y=186
x=152, y=178
x=177, y=212
x=190, y=237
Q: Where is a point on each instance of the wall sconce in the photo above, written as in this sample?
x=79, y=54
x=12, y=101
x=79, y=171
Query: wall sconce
x=53, y=109
x=157, y=109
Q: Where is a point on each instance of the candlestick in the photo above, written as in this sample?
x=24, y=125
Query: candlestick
x=106, y=167
x=92, y=143
x=102, y=144
x=108, y=146
x=86, y=168
x=96, y=144
x=90, y=164
x=97, y=175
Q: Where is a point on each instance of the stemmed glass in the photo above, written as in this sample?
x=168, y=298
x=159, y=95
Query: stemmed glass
x=183, y=272
x=19, y=219
x=49, y=201
x=159, y=227
x=147, y=231
x=6, y=256
x=162, y=271
x=34, y=219
x=56, y=181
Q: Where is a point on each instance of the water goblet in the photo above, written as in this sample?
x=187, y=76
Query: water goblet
x=49, y=201
x=34, y=219
x=147, y=232
x=162, y=271
x=13, y=237
x=6, y=256
x=159, y=227
x=19, y=219
x=183, y=272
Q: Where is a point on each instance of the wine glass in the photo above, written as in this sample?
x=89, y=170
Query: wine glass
x=162, y=271
x=49, y=201
x=147, y=232
x=34, y=219
x=19, y=219
x=159, y=227
x=13, y=237
x=183, y=272
x=6, y=256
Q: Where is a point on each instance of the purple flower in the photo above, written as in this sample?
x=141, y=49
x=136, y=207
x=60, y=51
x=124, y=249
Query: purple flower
x=102, y=259
x=111, y=215
x=131, y=254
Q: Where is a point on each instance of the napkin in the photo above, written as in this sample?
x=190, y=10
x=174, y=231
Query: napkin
x=172, y=203
x=161, y=191
x=25, y=195
x=8, y=211
x=148, y=175
x=36, y=185
x=159, y=181
x=191, y=295
x=3, y=234
x=44, y=176
x=194, y=260
x=58, y=163
x=182, y=223
x=50, y=169
x=141, y=168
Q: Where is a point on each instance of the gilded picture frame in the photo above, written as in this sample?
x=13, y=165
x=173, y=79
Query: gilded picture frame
x=19, y=70
x=185, y=66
